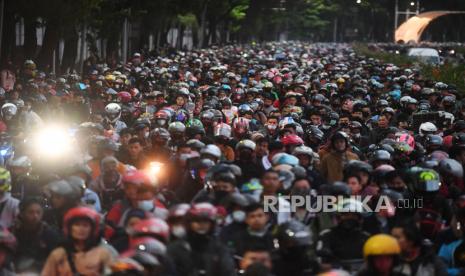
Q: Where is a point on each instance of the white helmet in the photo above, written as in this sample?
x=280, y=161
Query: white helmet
x=9, y=110
x=211, y=150
x=303, y=150
x=246, y=144
x=113, y=112
x=223, y=130
x=427, y=128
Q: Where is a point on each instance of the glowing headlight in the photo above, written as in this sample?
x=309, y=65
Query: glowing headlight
x=3, y=152
x=53, y=141
x=155, y=167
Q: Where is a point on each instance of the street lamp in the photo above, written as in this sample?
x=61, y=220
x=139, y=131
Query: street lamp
x=359, y=1
x=412, y=3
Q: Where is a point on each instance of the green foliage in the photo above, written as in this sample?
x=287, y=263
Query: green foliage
x=447, y=73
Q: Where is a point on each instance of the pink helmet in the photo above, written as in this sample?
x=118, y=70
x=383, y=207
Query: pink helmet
x=408, y=139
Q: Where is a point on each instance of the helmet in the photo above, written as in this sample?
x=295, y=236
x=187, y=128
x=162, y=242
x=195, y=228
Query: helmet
x=433, y=140
x=303, y=150
x=203, y=210
x=178, y=211
x=153, y=227
x=113, y=112
x=160, y=132
x=181, y=116
x=176, y=128
x=211, y=150
x=244, y=109
x=380, y=155
x=338, y=188
x=451, y=167
x=339, y=135
x=8, y=111
x=425, y=180
x=5, y=180
x=286, y=121
x=148, y=244
x=62, y=188
x=222, y=129
x=293, y=234
x=82, y=212
x=315, y=133
x=292, y=140
x=355, y=166
x=8, y=240
x=381, y=244
x=427, y=128
x=408, y=139
x=194, y=126
x=124, y=96
x=241, y=123
x=246, y=144
x=162, y=118
x=136, y=177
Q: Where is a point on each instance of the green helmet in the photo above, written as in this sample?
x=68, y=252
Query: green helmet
x=424, y=180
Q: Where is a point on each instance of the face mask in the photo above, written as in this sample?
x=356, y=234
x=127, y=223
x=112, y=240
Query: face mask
x=267, y=105
x=184, y=156
x=178, y=231
x=145, y=205
x=146, y=135
x=356, y=135
x=161, y=122
x=271, y=127
x=238, y=216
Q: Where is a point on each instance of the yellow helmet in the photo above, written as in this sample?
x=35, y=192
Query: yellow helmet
x=110, y=77
x=381, y=244
x=5, y=180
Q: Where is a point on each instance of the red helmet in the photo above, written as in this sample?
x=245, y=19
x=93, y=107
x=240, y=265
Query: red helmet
x=178, y=211
x=8, y=240
x=82, y=212
x=149, y=245
x=124, y=97
x=152, y=227
x=138, y=178
x=292, y=140
x=203, y=210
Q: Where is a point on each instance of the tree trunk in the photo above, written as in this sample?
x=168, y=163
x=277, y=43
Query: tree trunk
x=49, y=44
x=70, y=51
x=30, y=37
x=203, y=25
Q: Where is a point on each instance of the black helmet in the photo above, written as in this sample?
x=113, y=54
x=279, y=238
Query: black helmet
x=293, y=234
x=355, y=166
x=380, y=155
x=338, y=188
x=315, y=133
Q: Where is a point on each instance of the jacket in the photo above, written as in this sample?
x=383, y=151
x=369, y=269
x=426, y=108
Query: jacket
x=333, y=163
